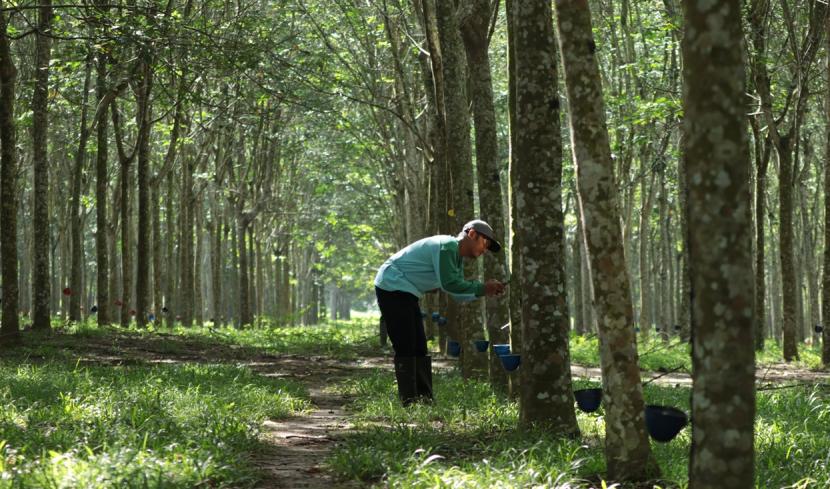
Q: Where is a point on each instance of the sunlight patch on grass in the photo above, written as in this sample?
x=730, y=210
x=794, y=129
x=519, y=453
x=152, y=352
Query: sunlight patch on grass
x=162, y=426
x=470, y=438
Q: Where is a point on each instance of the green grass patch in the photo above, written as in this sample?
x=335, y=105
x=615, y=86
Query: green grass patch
x=64, y=425
x=657, y=355
x=338, y=339
x=470, y=438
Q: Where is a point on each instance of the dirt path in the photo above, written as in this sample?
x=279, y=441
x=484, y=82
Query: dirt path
x=298, y=446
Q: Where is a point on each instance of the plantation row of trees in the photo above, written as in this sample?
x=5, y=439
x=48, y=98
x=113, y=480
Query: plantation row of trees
x=227, y=160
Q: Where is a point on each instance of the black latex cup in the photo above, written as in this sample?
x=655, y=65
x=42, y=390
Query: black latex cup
x=453, y=348
x=664, y=422
x=588, y=400
x=481, y=345
x=819, y=328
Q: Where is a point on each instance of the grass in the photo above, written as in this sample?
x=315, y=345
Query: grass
x=67, y=423
x=470, y=438
x=70, y=416
x=344, y=340
x=656, y=355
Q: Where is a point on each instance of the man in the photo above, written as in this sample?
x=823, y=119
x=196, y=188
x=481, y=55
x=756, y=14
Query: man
x=424, y=266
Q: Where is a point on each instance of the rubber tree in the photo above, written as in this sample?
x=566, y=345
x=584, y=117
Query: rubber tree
x=475, y=32
x=41, y=292
x=546, y=394
x=627, y=451
x=459, y=158
x=825, y=289
x=10, y=329
x=720, y=246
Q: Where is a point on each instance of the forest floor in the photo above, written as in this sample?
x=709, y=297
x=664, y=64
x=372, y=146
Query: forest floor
x=295, y=449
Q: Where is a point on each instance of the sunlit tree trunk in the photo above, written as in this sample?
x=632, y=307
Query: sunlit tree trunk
x=546, y=394
x=627, y=452
x=720, y=237
x=825, y=290
x=40, y=135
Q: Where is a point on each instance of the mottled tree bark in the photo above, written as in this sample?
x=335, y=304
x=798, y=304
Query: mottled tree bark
x=40, y=217
x=719, y=240
x=546, y=394
x=475, y=27
x=627, y=451
x=10, y=328
x=459, y=157
x=825, y=289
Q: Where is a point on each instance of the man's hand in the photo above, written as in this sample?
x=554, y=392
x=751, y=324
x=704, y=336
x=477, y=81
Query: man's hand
x=493, y=288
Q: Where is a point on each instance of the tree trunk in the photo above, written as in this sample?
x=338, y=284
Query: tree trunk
x=125, y=208
x=10, y=328
x=76, y=244
x=762, y=155
x=627, y=451
x=786, y=187
x=514, y=292
x=718, y=177
x=242, y=253
x=469, y=321
x=546, y=394
x=184, y=307
x=216, y=256
x=577, y=312
x=144, y=123
x=475, y=29
x=40, y=218
x=101, y=181
x=646, y=319
x=198, y=300
x=170, y=270
x=825, y=290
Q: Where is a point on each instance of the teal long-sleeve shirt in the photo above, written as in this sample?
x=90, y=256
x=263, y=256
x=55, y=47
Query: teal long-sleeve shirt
x=425, y=265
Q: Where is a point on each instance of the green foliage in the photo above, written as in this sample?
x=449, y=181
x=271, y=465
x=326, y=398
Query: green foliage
x=65, y=425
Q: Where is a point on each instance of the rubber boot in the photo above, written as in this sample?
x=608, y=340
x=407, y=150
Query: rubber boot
x=423, y=376
x=405, y=374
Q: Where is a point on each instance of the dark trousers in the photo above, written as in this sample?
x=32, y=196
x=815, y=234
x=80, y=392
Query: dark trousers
x=404, y=323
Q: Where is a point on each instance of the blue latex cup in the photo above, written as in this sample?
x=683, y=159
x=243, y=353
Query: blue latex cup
x=511, y=362
x=501, y=349
x=453, y=348
x=481, y=345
